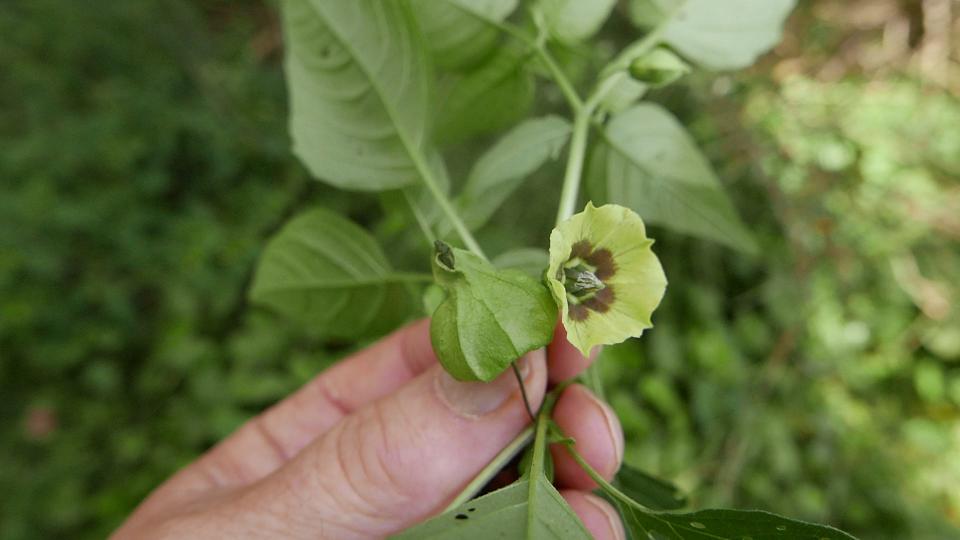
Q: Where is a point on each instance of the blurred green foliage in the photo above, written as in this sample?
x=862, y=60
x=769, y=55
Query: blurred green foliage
x=144, y=160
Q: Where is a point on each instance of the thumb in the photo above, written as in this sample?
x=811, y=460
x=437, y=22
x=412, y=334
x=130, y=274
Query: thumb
x=402, y=458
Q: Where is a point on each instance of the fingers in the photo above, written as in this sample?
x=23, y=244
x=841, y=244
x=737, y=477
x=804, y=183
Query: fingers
x=402, y=458
x=599, y=516
x=266, y=442
x=598, y=435
x=564, y=360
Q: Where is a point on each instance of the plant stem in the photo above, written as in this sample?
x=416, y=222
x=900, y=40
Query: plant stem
x=566, y=87
x=523, y=391
x=434, y=188
x=593, y=474
x=574, y=172
x=559, y=77
x=498, y=462
x=419, y=217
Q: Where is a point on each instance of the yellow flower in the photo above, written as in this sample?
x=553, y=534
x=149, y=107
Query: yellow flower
x=604, y=276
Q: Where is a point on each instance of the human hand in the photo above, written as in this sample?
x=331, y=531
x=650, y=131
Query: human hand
x=377, y=443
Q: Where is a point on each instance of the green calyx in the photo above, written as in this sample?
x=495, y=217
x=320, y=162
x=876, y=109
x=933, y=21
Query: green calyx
x=486, y=317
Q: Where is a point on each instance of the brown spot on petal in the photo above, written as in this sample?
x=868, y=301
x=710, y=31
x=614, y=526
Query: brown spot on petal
x=605, y=268
x=602, y=260
x=601, y=301
x=578, y=312
x=581, y=249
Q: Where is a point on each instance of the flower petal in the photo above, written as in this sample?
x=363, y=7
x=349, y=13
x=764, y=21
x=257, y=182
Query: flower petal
x=611, y=242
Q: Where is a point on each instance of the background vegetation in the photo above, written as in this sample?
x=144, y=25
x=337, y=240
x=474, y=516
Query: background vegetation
x=144, y=160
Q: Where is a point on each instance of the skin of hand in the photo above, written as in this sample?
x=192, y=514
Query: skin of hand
x=377, y=443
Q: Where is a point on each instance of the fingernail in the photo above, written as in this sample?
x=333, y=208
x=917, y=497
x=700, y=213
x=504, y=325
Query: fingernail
x=475, y=399
x=612, y=424
x=616, y=527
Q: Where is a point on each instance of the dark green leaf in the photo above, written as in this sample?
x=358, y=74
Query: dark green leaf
x=490, y=317
x=722, y=525
x=358, y=81
x=648, y=490
x=649, y=163
x=520, y=510
x=327, y=273
x=504, y=166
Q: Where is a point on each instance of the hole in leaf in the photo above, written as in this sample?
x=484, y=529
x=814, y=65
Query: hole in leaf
x=781, y=527
x=471, y=509
x=462, y=516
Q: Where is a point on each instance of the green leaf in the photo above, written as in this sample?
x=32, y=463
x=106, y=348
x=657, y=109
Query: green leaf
x=648, y=490
x=717, y=35
x=458, y=32
x=531, y=261
x=489, y=318
x=706, y=524
x=502, y=169
x=511, y=512
x=358, y=83
x=649, y=163
x=723, y=525
x=575, y=20
x=327, y=273
x=495, y=95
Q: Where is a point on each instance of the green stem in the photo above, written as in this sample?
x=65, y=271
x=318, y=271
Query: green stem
x=575, y=160
x=538, y=457
x=559, y=77
x=539, y=48
x=523, y=391
x=434, y=188
x=593, y=474
x=496, y=464
x=421, y=219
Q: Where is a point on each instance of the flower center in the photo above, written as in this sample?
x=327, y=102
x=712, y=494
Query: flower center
x=580, y=280
x=586, y=278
